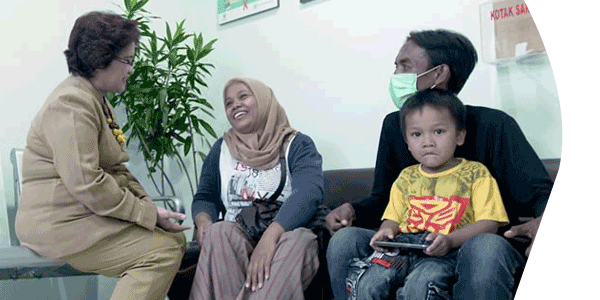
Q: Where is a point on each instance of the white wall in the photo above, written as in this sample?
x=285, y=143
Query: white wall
x=328, y=61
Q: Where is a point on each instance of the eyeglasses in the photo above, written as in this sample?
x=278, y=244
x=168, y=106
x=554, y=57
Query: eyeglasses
x=125, y=61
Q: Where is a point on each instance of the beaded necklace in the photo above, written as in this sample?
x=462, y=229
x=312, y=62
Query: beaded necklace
x=112, y=124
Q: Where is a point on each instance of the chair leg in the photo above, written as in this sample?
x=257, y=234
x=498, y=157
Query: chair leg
x=182, y=284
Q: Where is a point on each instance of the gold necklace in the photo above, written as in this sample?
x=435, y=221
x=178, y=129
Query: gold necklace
x=112, y=124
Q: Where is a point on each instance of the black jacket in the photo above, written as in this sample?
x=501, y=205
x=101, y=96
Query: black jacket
x=493, y=138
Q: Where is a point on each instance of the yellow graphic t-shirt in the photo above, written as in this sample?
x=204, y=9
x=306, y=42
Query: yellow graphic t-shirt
x=445, y=201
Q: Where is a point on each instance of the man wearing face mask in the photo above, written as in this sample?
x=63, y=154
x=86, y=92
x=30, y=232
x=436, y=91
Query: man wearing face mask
x=488, y=265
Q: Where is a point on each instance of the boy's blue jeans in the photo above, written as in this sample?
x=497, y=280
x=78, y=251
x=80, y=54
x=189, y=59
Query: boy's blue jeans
x=485, y=264
x=426, y=277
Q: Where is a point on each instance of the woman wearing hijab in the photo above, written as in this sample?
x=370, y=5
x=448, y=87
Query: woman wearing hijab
x=245, y=165
x=80, y=204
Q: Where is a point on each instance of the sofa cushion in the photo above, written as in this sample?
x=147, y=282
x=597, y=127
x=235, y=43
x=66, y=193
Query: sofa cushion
x=347, y=185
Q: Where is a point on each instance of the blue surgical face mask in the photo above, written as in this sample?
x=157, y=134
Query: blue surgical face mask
x=403, y=85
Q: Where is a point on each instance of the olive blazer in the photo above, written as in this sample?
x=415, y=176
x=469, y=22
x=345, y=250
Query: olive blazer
x=76, y=190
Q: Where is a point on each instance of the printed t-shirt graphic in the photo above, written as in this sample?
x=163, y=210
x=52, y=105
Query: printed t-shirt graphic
x=445, y=201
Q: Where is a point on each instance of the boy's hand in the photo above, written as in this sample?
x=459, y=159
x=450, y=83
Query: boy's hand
x=384, y=234
x=441, y=244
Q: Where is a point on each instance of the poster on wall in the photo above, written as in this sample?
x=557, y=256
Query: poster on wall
x=231, y=10
x=508, y=31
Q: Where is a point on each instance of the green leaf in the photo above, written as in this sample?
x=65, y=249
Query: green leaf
x=180, y=123
x=187, y=145
x=205, y=50
x=180, y=60
x=207, y=112
x=180, y=35
x=158, y=155
x=148, y=118
x=179, y=138
x=195, y=121
x=205, y=103
x=190, y=55
x=168, y=29
x=172, y=59
x=198, y=41
x=208, y=128
x=137, y=6
x=162, y=99
x=126, y=127
x=153, y=48
x=203, y=67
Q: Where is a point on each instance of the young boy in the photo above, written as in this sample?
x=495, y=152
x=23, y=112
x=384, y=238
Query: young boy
x=441, y=202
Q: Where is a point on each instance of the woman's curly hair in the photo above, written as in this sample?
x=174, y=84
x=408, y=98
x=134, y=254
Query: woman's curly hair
x=95, y=41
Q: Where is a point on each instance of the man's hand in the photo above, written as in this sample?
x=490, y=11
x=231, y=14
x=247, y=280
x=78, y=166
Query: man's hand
x=202, y=221
x=163, y=219
x=528, y=229
x=341, y=216
x=259, y=267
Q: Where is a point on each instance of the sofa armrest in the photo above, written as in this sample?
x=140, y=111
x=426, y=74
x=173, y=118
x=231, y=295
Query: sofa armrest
x=551, y=165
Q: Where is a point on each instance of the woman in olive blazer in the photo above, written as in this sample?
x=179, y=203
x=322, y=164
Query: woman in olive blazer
x=79, y=202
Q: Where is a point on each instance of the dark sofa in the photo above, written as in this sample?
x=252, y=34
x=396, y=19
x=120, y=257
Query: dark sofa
x=341, y=186
x=349, y=185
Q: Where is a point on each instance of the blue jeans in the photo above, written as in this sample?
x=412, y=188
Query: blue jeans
x=423, y=277
x=485, y=264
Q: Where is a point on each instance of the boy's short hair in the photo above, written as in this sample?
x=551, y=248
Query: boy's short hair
x=437, y=98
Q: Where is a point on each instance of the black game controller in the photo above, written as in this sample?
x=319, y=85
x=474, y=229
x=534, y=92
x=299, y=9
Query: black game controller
x=390, y=244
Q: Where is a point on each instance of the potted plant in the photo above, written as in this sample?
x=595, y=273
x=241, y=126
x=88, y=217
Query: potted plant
x=163, y=102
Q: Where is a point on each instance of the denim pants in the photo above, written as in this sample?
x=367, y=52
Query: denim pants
x=485, y=264
x=421, y=277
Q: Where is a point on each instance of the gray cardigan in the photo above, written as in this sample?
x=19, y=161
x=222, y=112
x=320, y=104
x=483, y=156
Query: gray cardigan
x=306, y=170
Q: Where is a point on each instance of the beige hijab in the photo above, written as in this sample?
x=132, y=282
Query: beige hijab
x=260, y=149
